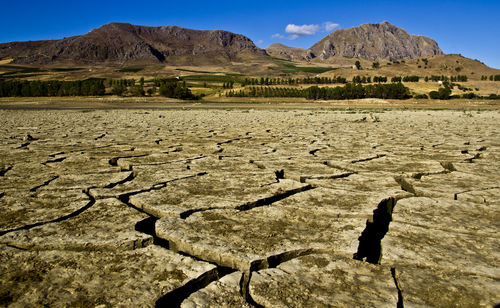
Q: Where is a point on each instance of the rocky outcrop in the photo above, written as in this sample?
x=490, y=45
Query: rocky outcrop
x=121, y=42
x=375, y=41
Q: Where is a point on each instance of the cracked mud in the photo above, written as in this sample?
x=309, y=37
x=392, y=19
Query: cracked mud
x=249, y=208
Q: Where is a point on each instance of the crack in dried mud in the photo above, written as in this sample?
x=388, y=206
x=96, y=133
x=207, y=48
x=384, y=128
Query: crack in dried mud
x=3, y=171
x=368, y=158
x=57, y=160
x=176, y=297
x=44, y=184
x=129, y=178
x=405, y=185
x=304, y=178
x=270, y=200
x=400, y=303
x=114, y=161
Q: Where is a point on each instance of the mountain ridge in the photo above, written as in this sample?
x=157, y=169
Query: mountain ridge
x=123, y=42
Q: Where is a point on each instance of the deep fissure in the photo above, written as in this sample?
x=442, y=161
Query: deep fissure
x=245, y=289
x=176, y=297
x=370, y=241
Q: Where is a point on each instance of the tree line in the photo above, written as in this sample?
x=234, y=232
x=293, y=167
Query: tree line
x=35, y=88
x=348, y=91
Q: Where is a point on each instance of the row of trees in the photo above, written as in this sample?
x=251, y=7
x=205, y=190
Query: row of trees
x=225, y=85
x=292, y=81
x=348, y=91
x=368, y=79
x=122, y=82
x=491, y=78
x=461, y=78
x=34, y=88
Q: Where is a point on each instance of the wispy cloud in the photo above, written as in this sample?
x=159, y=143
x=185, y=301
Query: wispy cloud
x=260, y=42
x=277, y=35
x=329, y=26
x=302, y=30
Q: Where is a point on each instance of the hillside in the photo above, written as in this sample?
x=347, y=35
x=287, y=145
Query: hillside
x=278, y=50
x=126, y=43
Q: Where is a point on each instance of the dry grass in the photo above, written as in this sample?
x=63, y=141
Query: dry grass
x=5, y=61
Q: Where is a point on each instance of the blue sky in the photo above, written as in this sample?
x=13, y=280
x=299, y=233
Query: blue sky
x=470, y=28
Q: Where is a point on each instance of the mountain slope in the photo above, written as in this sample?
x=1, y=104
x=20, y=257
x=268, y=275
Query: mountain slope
x=121, y=42
x=375, y=41
x=290, y=53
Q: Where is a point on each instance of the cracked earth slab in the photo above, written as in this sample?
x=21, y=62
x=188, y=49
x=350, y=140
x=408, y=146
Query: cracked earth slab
x=20, y=209
x=488, y=196
x=410, y=244
x=447, y=185
x=243, y=240
x=144, y=179
x=376, y=182
x=233, y=238
x=431, y=287
x=211, y=192
x=92, y=278
x=106, y=225
x=154, y=160
x=449, y=215
x=324, y=280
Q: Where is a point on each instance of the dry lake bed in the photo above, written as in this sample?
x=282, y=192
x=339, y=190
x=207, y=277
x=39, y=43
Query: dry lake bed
x=250, y=207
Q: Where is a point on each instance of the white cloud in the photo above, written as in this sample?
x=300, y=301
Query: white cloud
x=297, y=31
x=260, y=41
x=329, y=26
x=302, y=30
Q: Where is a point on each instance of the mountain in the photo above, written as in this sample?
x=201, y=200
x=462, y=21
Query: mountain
x=122, y=42
x=290, y=53
x=375, y=41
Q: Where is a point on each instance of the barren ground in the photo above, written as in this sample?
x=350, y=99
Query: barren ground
x=282, y=206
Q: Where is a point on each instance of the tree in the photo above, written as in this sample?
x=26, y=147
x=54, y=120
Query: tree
x=376, y=64
x=137, y=90
x=119, y=89
x=442, y=93
x=358, y=65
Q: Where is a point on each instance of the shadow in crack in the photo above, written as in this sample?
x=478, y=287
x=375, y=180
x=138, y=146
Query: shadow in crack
x=370, y=241
x=147, y=226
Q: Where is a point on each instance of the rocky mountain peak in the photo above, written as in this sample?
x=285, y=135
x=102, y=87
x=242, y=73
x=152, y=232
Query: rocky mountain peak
x=375, y=41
